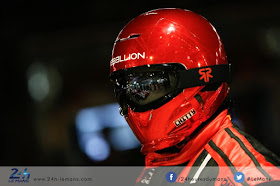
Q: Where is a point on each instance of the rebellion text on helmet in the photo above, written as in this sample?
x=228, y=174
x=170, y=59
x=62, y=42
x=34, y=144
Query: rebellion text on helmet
x=184, y=118
x=132, y=56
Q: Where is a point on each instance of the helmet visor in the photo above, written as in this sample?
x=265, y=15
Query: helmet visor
x=144, y=89
x=149, y=87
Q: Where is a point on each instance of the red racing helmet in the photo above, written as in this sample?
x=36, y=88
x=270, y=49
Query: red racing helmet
x=170, y=74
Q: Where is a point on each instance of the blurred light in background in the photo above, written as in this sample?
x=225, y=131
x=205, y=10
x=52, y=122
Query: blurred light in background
x=123, y=139
x=270, y=41
x=97, y=148
x=43, y=81
x=38, y=83
x=88, y=121
x=93, y=141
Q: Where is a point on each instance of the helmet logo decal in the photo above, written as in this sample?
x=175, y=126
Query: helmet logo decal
x=205, y=74
x=132, y=56
x=184, y=118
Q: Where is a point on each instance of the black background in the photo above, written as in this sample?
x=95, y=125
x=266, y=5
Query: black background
x=76, y=37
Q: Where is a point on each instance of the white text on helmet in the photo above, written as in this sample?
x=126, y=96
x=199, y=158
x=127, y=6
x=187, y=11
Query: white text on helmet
x=184, y=118
x=132, y=56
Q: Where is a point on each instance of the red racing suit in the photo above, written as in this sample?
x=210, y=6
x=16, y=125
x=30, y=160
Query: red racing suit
x=222, y=146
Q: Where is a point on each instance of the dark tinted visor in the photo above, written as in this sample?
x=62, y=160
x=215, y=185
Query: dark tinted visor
x=144, y=88
x=149, y=87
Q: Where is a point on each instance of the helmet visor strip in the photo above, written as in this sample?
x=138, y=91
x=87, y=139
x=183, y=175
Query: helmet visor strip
x=149, y=87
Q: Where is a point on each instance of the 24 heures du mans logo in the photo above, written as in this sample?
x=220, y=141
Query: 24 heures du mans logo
x=184, y=118
x=18, y=176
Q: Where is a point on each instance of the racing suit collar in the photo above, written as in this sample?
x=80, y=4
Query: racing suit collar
x=193, y=146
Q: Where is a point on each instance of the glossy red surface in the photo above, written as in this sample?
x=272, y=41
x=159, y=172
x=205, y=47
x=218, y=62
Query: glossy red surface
x=170, y=36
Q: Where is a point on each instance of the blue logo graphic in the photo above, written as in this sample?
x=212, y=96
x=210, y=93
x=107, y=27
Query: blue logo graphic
x=239, y=177
x=171, y=177
x=19, y=177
